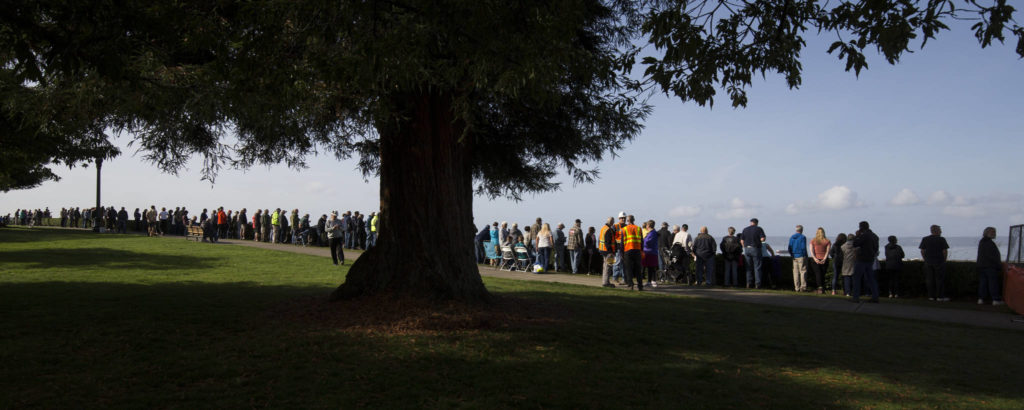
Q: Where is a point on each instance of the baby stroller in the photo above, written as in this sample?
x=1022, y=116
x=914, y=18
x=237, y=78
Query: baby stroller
x=677, y=269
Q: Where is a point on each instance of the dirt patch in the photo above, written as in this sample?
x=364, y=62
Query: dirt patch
x=402, y=315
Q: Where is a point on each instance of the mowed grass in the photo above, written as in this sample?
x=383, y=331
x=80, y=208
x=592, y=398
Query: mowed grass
x=124, y=321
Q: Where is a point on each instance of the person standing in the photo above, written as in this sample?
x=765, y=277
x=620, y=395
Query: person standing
x=664, y=244
x=560, y=240
x=203, y=216
x=243, y=224
x=989, y=267
x=151, y=219
x=732, y=251
x=683, y=238
x=265, y=236
x=478, y=242
x=544, y=241
x=371, y=240
x=863, y=271
x=752, y=239
x=704, y=250
x=575, y=246
x=893, y=266
x=934, y=251
x=848, y=255
x=606, y=246
x=798, y=250
x=122, y=221
x=632, y=245
x=495, y=237
x=820, y=249
x=257, y=225
x=275, y=226
x=296, y=225
x=222, y=224
x=617, y=268
x=334, y=238
x=590, y=249
x=651, y=258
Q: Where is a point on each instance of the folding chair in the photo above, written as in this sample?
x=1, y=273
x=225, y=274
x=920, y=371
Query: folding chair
x=508, y=258
x=522, y=259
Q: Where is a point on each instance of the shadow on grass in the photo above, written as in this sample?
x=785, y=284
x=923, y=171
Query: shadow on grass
x=105, y=258
x=215, y=344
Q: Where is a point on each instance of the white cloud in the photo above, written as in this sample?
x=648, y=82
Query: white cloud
x=737, y=209
x=939, y=198
x=684, y=211
x=837, y=198
x=905, y=197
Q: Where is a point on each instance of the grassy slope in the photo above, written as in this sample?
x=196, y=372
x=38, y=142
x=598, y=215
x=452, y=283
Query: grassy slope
x=89, y=320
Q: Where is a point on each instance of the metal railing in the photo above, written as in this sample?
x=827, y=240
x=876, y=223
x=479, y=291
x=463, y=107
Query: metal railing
x=1015, y=251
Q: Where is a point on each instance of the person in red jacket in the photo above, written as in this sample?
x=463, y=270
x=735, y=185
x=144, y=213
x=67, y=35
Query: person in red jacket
x=222, y=223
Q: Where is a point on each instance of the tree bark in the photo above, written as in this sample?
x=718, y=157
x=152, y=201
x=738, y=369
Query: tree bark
x=425, y=235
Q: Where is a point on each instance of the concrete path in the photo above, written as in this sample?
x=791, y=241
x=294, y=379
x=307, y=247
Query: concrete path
x=834, y=304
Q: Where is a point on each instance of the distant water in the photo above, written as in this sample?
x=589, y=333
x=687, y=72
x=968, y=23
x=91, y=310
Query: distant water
x=961, y=248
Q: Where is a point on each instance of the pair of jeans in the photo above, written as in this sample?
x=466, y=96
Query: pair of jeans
x=988, y=284
x=617, y=267
x=837, y=275
x=661, y=259
x=706, y=270
x=559, y=260
x=574, y=260
x=847, y=285
x=753, y=259
x=542, y=256
x=479, y=248
x=864, y=272
x=371, y=240
x=730, y=272
x=935, y=280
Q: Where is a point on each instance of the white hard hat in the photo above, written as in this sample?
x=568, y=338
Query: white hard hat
x=622, y=214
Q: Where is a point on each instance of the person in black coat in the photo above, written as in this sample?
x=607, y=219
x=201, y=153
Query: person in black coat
x=893, y=266
x=989, y=267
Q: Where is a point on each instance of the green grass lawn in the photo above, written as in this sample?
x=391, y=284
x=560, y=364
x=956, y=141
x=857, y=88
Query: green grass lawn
x=124, y=321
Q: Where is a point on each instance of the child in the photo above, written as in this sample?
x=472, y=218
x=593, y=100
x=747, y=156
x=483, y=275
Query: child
x=893, y=266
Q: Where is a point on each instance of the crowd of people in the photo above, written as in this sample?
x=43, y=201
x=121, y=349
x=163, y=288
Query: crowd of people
x=636, y=256
x=353, y=230
x=630, y=255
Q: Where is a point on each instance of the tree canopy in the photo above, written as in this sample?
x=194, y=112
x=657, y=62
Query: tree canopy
x=441, y=98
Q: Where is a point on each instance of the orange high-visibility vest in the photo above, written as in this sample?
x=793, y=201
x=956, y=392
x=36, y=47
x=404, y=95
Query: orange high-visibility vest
x=601, y=245
x=618, y=232
x=632, y=238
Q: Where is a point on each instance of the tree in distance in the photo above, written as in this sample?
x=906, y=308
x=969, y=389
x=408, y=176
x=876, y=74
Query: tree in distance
x=443, y=100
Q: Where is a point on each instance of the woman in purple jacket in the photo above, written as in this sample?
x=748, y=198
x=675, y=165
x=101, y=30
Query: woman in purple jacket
x=649, y=262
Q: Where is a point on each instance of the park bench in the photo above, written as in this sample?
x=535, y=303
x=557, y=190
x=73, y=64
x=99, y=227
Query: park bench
x=194, y=232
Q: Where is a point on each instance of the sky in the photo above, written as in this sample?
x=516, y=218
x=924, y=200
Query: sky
x=935, y=139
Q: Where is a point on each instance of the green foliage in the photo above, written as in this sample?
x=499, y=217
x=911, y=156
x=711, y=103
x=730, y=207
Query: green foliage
x=707, y=45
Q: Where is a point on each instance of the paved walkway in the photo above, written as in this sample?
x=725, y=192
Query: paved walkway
x=835, y=304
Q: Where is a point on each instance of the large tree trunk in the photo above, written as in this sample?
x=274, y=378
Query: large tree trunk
x=425, y=236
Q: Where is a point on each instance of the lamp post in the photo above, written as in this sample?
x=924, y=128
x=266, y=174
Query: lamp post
x=97, y=213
